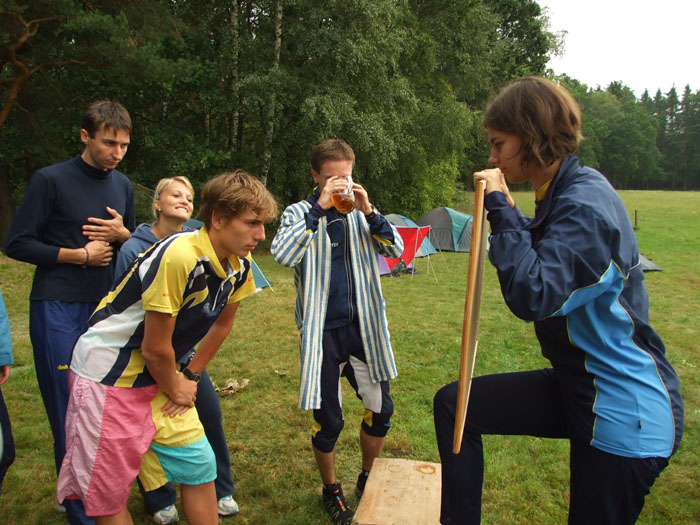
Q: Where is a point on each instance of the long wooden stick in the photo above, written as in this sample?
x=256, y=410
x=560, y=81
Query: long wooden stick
x=472, y=308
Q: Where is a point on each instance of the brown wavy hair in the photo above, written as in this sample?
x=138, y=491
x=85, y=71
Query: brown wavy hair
x=231, y=194
x=542, y=114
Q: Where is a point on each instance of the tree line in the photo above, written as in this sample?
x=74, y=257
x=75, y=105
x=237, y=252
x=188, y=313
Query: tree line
x=645, y=143
x=214, y=85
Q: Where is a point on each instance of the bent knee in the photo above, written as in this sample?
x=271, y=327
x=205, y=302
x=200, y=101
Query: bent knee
x=324, y=436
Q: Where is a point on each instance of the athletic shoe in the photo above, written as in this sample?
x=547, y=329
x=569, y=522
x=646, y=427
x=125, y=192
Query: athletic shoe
x=166, y=515
x=227, y=506
x=361, y=482
x=334, y=502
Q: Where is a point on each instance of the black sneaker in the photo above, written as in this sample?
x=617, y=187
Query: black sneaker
x=334, y=502
x=361, y=482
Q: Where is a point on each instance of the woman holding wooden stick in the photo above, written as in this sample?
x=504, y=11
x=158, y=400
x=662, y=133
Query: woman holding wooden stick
x=574, y=270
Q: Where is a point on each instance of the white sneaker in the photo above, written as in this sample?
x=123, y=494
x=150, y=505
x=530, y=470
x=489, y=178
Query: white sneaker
x=166, y=515
x=227, y=506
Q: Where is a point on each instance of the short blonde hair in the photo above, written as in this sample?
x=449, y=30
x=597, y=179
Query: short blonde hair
x=164, y=184
x=231, y=194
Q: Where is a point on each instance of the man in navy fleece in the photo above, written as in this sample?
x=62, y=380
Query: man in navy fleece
x=74, y=216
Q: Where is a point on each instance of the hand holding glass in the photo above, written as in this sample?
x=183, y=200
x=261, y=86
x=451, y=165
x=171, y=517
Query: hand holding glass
x=344, y=202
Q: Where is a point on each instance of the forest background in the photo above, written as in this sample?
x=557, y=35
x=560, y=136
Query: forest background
x=214, y=85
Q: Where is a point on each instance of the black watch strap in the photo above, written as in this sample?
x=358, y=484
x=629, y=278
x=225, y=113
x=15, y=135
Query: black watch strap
x=371, y=215
x=192, y=376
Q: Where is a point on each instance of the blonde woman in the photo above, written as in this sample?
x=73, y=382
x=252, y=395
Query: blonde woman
x=173, y=202
x=172, y=207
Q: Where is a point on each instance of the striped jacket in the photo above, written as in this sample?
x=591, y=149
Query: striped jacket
x=309, y=252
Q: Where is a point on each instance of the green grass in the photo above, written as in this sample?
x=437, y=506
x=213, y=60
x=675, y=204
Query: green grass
x=526, y=478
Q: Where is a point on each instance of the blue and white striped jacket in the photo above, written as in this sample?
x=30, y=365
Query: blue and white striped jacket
x=309, y=253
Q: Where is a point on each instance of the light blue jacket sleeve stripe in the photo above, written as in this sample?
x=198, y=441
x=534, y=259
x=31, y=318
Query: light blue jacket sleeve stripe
x=585, y=295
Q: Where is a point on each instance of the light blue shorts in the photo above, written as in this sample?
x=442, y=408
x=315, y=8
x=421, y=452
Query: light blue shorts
x=192, y=464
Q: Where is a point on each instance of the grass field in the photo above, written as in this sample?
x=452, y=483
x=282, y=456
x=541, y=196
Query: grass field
x=526, y=479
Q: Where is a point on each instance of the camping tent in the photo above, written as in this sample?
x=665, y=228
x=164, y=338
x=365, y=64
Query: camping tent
x=412, y=239
x=426, y=247
x=258, y=276
x=647, y=265
x=450, y=230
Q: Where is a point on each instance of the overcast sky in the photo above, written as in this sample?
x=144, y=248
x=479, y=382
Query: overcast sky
x=644, y=44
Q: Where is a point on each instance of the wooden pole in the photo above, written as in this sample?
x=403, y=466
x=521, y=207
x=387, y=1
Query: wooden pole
x=472, y=308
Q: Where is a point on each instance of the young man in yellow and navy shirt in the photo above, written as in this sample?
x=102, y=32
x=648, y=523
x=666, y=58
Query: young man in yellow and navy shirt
x=128, y=396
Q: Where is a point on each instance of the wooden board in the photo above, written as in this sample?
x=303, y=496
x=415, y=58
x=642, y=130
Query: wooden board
x=401, y=492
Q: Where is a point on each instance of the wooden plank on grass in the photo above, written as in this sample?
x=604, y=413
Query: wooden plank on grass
x=400, y=492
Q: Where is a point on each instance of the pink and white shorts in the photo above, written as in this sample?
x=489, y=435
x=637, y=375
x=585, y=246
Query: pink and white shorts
x=108, y=430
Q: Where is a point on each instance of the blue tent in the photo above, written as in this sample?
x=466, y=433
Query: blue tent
x=426, y=247
x=258, y=276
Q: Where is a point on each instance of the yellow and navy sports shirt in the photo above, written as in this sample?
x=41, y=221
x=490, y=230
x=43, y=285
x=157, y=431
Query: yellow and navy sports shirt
x=179, y=275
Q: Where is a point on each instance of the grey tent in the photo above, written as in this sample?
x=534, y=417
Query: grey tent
x=647, y=265
x=450, y=230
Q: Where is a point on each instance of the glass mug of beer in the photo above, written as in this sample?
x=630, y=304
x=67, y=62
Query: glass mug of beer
x=344, y=202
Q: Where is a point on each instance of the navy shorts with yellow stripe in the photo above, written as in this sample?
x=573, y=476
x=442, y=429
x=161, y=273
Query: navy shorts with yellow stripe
x=344, y=356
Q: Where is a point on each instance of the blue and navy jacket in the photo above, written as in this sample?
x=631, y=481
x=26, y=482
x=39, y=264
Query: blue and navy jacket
x=574, y=270
x=304, y=243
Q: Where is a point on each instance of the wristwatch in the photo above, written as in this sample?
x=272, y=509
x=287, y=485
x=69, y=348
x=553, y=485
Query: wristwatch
x=192, y=376
x=371, y=215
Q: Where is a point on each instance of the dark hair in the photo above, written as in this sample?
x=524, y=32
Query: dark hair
x=111, y=114
x=231, y=194
x=542, y=114
x=331, y=149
